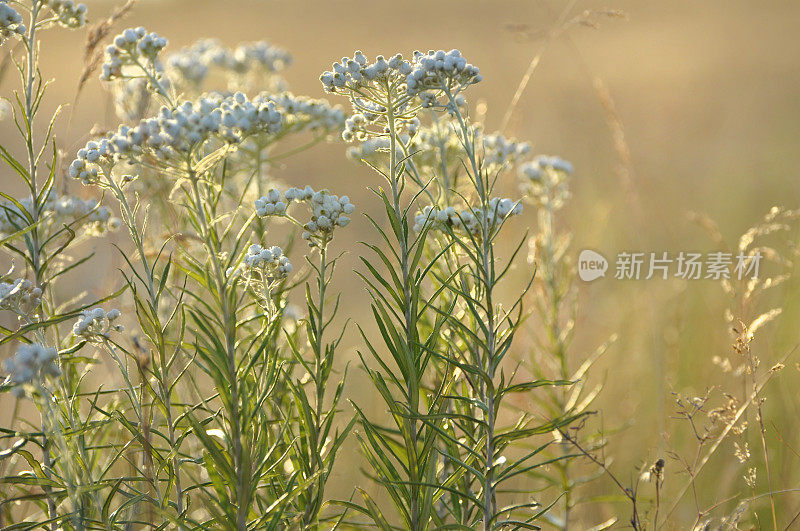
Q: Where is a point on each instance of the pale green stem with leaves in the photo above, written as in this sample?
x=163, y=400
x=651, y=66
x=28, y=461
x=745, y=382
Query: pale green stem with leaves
x=28, y=89
x=228, y=319
x=486, y=270
x=311, y=513
x=161, y=375
x=394, y=180
x=558, y=347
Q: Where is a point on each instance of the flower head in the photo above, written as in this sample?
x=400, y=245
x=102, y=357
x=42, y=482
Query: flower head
x=307, y=114
x=191, y=66
x=374, y=147
x=10, y=22
x=327, y=211
x=57, y=211
x=173, y=133
x=500, y=152
x=19, y=295
x=270, y=262
x=70, y=14
x=271, y=204
x=132, y=47
x=191, y=63
x=263, y=269
x=439, y=71
x=545, y=180
x=95, y=325
x=30, y=365
x=372, y=88
x=472, y=221
x=357, y=73
x=259, y=55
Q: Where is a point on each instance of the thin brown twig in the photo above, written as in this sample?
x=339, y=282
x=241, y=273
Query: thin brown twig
x=629, y=493
x=587, y=18
x=723, y=435
x=534, y=64
x=93, y=58
x=625, y=170
x=763, y=431
x=782, y=440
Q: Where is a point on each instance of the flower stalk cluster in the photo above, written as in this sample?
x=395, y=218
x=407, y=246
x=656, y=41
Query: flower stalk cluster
x=10, y=22
x=327, y=211
x=96, y=324
x=30, y=366
x=19, y=295
x=225, y=409
x=545, y=181
x=175, y=133
x=474, y=221
x=133, y=47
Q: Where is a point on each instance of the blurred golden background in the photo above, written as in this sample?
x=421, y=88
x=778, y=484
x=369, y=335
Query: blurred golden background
x=664, y=108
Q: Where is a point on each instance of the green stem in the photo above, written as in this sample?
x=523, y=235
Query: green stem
x=242, y=477
x=36, y=258
x=161, y=375
x=30, y=79
x=410, y=340
x=311, y=512
x=557, y=342
x=486, y=277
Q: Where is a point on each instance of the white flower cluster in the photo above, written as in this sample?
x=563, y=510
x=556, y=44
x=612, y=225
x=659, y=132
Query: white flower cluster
x=545, y=180
x=441, y=143
x=96, y=324
x=440, y=70
x=373, y=147
x=542, y=163
x=271, y=204
x=70, y=14
x=467, y=220
x=327, y=211
x=192, y=64
x=12, y=218
x=19, y=295
x=87, y=214
x=263, y=268
x=259, y=54
x=10, y=22
x=500, y=152
x=404, y=85
x=131, y=47
x=30, y=365
x=95, y=219
x=272, y=262
x=308, y=114
x=356, y=73
x=174, y=133
x=355, y=128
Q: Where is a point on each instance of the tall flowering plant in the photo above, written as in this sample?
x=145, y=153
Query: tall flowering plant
x=208, y=304
x=225, y=409
x=442, y=460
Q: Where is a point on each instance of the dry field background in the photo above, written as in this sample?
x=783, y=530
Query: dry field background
x=706, y=94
